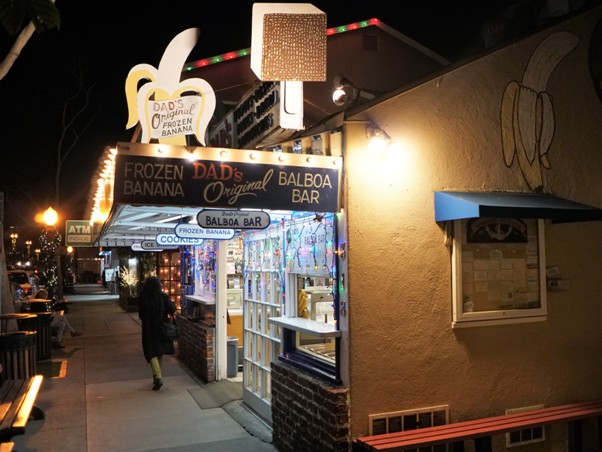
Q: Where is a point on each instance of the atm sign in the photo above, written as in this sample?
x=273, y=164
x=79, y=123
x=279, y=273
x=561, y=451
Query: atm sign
x=78, y=233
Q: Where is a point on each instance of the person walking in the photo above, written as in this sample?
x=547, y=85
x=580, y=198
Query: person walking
x=154, y=307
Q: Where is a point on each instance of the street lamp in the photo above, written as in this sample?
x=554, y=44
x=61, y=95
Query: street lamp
x=37, y=251
x=13, y=240
x=28, y=244
x=51, y=241
x=70, y=267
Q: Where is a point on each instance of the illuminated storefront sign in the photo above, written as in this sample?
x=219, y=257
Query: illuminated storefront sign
x=160, y=106
x=78, y=233
x=232, y=184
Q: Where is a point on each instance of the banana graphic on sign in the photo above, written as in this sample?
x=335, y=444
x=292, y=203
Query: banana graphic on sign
x=527, y=113
x=164, y=112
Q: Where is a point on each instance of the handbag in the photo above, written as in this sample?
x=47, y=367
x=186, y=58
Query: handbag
x=170, y=330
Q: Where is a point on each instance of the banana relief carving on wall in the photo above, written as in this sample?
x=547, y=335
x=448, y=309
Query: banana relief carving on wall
x=169, y=109
x=527, y=112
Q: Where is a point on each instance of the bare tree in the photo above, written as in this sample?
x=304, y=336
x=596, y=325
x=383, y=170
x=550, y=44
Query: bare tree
x=76, y=119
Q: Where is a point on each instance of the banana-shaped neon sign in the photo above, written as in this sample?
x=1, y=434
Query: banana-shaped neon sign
x=527, y=114
x=163, y=93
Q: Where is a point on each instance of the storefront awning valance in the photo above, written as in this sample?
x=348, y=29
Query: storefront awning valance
x=454, y=205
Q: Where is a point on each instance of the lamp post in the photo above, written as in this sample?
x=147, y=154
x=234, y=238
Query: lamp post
x=13, y=240
x=70, y=266
x=37, y=251
x=28, y=244
x=51, y=240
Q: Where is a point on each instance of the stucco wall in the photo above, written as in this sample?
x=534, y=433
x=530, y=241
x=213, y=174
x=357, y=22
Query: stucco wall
x=404, y=353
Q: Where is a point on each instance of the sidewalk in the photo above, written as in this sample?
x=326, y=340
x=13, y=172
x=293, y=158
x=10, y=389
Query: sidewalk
x=104, y=401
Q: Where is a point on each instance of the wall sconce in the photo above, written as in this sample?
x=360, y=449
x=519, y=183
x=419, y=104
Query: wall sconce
x=345, y=92
x=380, y=142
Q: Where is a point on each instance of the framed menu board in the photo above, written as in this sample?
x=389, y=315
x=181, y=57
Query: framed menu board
x=498, y=270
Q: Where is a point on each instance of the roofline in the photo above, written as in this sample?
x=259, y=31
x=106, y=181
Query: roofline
x=192, y=65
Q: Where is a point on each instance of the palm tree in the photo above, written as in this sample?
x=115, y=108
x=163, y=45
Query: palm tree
x=21, y=18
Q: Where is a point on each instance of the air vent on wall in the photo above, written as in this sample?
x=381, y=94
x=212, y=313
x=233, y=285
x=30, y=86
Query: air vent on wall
x=370, y=43
x=527, y=435
x=398, y=421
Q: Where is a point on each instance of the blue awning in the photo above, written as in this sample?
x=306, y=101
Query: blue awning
x=455, y=205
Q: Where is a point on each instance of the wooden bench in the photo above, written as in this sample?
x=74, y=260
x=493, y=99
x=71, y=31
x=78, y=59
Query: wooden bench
x=17, y=406
x=481, y=430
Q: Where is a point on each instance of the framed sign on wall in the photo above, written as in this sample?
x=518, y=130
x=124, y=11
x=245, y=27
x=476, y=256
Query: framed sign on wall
x=498, y=271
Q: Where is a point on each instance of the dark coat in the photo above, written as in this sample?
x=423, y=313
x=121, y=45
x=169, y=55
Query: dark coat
x=154, y=306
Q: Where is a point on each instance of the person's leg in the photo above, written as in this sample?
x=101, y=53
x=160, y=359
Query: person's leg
x=60, y=323
x=155, y=367
x=155, y=364
x=63, y=324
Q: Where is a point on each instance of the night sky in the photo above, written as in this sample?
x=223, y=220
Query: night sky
x=105, y=43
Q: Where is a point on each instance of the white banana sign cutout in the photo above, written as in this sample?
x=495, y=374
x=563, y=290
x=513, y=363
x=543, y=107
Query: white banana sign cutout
x=527, y=113
x=163, y=112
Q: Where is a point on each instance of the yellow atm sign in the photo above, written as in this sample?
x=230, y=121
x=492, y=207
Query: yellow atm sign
x=78, y=233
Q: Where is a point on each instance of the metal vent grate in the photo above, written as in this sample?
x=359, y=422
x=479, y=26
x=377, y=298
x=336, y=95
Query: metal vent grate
x=527, y=435
x=370, y=43
x=399, y=421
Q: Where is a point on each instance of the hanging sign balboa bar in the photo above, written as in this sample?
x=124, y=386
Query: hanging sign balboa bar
x=235, y=219
x=196, y=232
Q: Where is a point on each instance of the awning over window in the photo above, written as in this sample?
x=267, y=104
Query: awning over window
x=453, y=205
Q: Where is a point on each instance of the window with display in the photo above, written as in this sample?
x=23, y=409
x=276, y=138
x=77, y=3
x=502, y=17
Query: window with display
x=310, y=327
x=206, y=272
x=498, y=270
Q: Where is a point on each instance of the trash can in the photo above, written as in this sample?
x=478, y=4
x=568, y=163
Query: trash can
x=18, y=355
x=232, y=369
x=40, y=323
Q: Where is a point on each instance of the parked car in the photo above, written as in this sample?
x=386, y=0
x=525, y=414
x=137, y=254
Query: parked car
x=26, y=280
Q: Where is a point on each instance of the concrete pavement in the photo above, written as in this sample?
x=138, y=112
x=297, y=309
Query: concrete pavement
x=104, y=401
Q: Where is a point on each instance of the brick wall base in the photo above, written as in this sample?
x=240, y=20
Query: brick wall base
x=308, y=414
x=196, y=348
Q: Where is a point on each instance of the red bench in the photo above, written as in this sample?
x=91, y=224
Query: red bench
x=481, y=430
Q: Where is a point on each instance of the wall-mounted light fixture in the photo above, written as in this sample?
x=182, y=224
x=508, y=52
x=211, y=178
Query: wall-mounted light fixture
x=380, y=142
x=345, y=92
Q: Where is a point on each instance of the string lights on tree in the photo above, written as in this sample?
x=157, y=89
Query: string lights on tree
x=50, y=241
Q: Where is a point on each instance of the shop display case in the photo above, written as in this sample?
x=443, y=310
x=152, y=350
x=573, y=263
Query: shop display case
x=206, y=270
x=320, y=304
x=234, y=261
x=186, y=276
x=201, y=304
x=169, y=272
